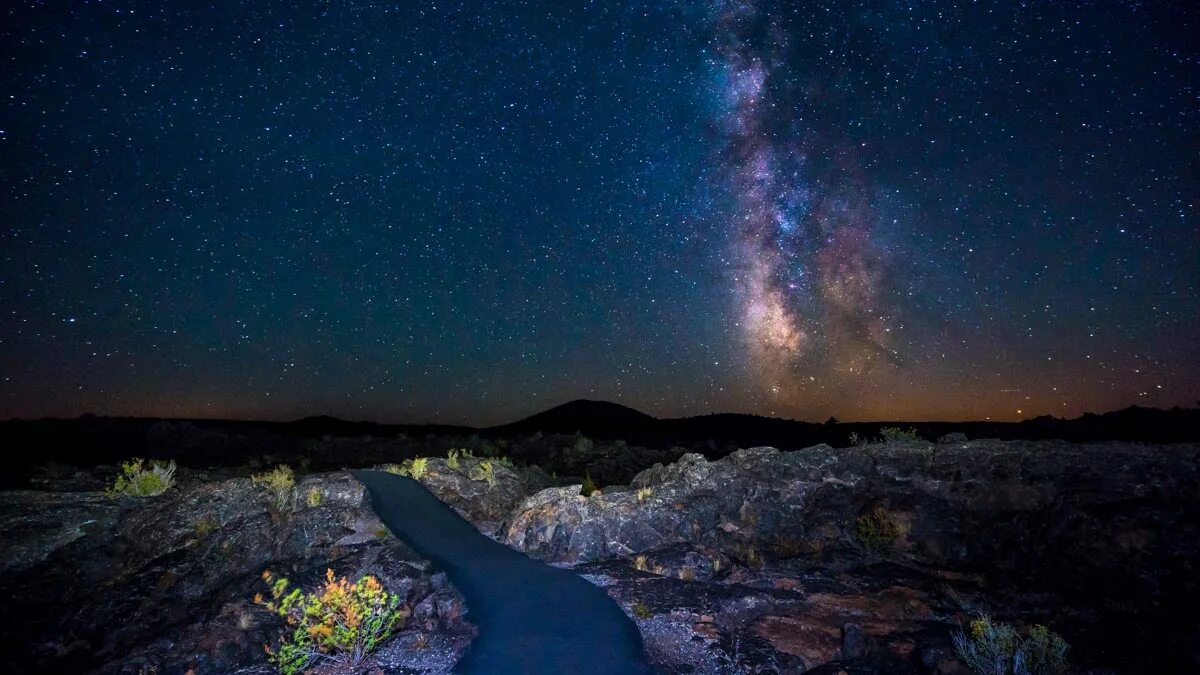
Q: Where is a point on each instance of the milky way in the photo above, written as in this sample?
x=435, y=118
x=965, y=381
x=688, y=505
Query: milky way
x=471, y=211
x=809, y=276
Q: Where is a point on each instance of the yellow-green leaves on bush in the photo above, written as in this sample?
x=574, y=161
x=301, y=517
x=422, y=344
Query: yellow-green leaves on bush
x=314, y=498
x=640, y=610
x=340, y=621
x=279, y=480
x=589, y=486
x=898, y=435
x=993, y=648
x=485, y=471
x=876, y=530
x=419, y=467
x=138, y=480
x=396, y=469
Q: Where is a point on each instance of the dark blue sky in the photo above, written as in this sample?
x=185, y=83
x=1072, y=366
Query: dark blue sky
x=467, y=212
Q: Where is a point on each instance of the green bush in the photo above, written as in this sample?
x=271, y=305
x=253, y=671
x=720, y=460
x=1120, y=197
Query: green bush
x=452, y=459
x=485, y=471
x=340, y=621
x=314, y=498
x=279, y=480
x=876, y=530
x=138, y=480
x=419, y=467
x=589, y=486
x=997, y=649
x=898, y=435
x=396, y=469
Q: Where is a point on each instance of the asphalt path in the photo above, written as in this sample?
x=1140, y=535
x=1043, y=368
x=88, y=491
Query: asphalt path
x=532, y=618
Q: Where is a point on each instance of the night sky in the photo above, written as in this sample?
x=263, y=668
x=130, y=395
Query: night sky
x=471, y=211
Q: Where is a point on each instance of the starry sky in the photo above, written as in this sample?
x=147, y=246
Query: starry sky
x=467, y=212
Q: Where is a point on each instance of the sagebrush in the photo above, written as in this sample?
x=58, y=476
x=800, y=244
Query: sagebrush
x=139, y=480
x=279, y=480
x=994, y=648
x=340, y=621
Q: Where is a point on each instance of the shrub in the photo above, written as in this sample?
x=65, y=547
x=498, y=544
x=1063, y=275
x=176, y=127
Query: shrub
x=749, y=555
x=138, y=480
x=314, y=498
x=898, y=435
x=452, y=459
x=279, y=480
x=876, y=531
x=643, y=494
x=419, y=467
x=396, y=469
x=583, y=445
x=340, y=621
x=205, y=526
x=641, y=611
x=589, y=486
x=485, y=471
x=996, y=649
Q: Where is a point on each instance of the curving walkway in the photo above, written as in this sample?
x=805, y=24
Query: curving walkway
x=532, y=618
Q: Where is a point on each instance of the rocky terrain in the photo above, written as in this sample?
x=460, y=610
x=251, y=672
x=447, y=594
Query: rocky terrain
x=166, y=584
x=875, y=554
x=855, y=560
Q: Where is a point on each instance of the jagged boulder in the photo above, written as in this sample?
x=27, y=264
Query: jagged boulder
x=1113, y=528
x=793, y=618
x=989, y=503
x=485, y=496
x=164, y=584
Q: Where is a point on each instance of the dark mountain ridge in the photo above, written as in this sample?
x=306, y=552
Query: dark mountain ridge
x=90, y=439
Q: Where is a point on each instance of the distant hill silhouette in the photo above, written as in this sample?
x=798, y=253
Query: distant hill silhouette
x=606, y=420
x=591, y=418
x=91, y=439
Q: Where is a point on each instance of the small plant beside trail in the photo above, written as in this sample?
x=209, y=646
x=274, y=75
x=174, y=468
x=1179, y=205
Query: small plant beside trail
x=452, y=460
x=419, y=467
x=340, y=621
x=641, y=611
x=279, y=480
x=994, y=648
x=643, y=494
x=138, y=480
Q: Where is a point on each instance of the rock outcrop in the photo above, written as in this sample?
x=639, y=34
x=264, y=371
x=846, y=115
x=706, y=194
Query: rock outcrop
x=482, y=490
x=165, y=584
x=1111, y=531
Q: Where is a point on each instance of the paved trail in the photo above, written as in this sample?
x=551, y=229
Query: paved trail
x=532, y=618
